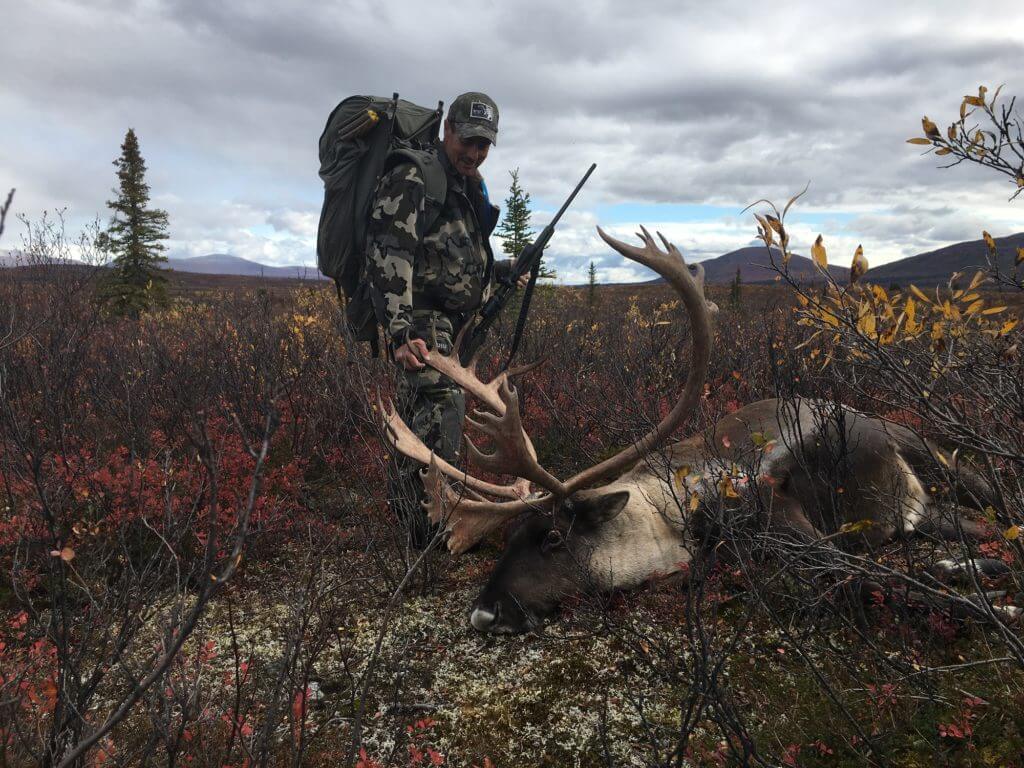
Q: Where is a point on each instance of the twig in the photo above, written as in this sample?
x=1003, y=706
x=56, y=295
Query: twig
x=209, y=589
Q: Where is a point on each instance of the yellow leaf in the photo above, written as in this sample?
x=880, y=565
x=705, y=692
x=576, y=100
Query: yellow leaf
x=681, y=475
x=930, y=129
x=859, y=265
x=975, y=307
x=919, y=140
x=988, y=240
x=979, y=278
x=866, y=324
x=694, y=502
x=1012, y=533
x=766, y=230
x=919, y=293
x=728, y=489
x=993, y=310
x=943, y=151
x=963, y=109
x=1008, y=326
x=1020, y=257
x=951, y=132
x=974, y=101
x=775, y=223
x=857, y=527
x=818, y=254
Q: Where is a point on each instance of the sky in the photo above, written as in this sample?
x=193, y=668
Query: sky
x=691, y=111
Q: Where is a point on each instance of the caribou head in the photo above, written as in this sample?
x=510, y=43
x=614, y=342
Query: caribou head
x=577, y=532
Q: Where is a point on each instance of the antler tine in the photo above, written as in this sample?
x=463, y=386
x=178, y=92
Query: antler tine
x=519, y=370
x=406, y=442
x=512, y=451
x=467, y=520
x=466, y=377
x=457, y=346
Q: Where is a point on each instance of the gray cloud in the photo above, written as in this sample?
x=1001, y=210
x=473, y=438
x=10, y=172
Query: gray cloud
x=677, y=103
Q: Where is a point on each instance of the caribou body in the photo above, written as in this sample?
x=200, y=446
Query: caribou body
x=812, y=466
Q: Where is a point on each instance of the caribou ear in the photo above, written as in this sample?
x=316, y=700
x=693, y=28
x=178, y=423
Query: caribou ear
x=602, y=507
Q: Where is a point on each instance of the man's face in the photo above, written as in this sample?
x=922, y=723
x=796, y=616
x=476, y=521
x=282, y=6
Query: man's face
x=465, y=155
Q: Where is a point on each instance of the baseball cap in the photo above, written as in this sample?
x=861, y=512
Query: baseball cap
x=475, y=114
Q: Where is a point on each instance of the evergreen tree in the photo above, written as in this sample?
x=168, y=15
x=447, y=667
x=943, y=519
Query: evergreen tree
x=736, y=289
x=514, y=229
x=592, y=284
x=136, y=282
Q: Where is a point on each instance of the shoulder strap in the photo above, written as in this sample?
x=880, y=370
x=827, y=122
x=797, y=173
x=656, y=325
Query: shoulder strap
x=435, y=182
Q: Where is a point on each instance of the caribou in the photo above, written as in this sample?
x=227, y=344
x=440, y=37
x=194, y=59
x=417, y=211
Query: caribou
x=631, y=517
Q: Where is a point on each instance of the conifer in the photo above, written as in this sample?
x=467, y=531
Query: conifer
x=135, y=283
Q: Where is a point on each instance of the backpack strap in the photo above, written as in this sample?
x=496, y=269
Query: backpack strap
x=435, y=181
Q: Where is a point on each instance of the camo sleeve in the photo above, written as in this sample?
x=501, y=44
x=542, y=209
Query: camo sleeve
x=393, y=238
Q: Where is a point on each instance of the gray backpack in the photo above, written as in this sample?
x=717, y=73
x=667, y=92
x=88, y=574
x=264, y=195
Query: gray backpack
x=364, y=137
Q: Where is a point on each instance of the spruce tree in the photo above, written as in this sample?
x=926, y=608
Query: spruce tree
x=591, y=284
x=736, y=289
x=514, y=229
x=134, y=237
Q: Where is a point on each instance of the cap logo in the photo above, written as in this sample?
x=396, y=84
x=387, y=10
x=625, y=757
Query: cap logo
x=479, y=109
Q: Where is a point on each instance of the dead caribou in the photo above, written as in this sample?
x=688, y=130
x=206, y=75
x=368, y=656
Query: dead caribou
x=628, y=518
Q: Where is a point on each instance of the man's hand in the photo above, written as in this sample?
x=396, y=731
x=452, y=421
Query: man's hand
x=412, y=354
x=523, y=281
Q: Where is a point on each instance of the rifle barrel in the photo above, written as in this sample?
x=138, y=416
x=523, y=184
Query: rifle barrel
x=572, y=197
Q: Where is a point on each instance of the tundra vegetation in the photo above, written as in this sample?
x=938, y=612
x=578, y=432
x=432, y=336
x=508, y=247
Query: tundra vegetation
x=200, y=568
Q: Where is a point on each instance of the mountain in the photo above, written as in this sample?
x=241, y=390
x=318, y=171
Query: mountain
x=936, y=267
x=225, y=264
x=754, y=265
x=12, y=259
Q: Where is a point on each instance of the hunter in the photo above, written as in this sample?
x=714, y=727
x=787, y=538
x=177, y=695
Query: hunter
x=428, y=280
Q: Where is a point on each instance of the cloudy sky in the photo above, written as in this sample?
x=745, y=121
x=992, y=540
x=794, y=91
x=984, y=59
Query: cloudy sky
x=690, y=110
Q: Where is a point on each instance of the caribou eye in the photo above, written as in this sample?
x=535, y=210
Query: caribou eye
x=553, y=539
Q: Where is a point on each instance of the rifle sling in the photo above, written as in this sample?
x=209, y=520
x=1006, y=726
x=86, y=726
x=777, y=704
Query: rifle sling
x=523, y=312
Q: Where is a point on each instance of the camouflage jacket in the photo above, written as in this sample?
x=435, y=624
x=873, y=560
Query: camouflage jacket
x=449, y=267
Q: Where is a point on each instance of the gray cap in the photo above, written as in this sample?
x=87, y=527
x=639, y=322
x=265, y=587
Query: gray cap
x=475, y=114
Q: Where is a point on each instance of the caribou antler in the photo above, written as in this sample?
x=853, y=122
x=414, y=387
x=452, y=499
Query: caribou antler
x=690, y=286
x=469, y=519
x=491, y=395
x=406, y=442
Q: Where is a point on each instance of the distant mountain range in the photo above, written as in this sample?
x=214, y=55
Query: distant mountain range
x=225, y=264
x=937, y=266
x=931, y=268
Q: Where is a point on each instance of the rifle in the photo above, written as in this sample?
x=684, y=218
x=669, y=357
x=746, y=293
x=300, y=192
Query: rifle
x=528, y=261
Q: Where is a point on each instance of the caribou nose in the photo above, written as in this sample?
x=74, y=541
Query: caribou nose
x=482, y=619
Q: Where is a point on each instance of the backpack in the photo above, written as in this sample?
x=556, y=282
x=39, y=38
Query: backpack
x=364, y=137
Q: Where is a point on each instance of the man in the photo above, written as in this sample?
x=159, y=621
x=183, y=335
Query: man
x=430, y=267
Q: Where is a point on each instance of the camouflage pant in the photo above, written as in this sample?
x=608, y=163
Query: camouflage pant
x=434, y=407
